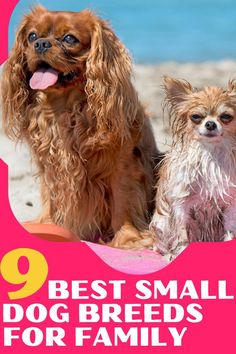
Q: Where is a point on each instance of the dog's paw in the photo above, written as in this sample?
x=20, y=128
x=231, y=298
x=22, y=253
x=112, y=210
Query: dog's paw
x=178, y=250
x=229, y=236
x=170, y=254
x=128, y=237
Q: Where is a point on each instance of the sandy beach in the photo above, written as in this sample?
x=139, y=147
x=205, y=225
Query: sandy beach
x=24, y=187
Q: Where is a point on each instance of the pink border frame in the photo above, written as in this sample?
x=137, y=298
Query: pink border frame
x=201, y=261
x=7, y=8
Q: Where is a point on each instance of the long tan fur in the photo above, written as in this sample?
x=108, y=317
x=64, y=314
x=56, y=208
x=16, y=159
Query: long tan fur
x=196, y=191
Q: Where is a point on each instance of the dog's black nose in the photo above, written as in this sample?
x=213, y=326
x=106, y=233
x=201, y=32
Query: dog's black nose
x=42, y=45
x=210, y=125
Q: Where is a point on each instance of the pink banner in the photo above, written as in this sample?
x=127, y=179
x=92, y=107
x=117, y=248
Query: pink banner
x=7, y=8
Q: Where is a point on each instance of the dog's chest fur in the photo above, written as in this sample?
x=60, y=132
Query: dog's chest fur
x=203, y=182
x=69, y=162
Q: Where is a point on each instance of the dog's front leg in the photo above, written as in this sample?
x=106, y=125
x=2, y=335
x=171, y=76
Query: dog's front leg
x=128, y=219
x=170, y=229
x=180, y=221
x=161, y=229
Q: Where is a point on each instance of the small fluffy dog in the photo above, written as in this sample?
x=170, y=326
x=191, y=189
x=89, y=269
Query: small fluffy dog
x=67, y=91
x=196, y=193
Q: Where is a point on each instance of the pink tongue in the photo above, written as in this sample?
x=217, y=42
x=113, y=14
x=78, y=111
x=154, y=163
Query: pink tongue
x=43, y=78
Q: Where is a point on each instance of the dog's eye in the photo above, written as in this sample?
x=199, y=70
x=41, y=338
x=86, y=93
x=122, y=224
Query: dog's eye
x=196, y=118
x=226, y=118
x=70, y=39
x=32, y=37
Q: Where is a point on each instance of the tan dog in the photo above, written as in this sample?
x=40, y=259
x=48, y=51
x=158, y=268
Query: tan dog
x=196, y=193
x=67, y=91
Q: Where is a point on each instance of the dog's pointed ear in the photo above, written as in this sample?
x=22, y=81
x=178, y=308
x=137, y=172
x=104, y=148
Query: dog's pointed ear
x=232, y=86
x=37, y=9
x=176, y=90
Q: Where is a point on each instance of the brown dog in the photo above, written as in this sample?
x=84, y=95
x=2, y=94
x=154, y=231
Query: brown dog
x=67, y=91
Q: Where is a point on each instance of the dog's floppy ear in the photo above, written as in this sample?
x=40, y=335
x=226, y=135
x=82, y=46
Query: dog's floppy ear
x=14, y=87
x=14, y=82
x=110, y=93
x=176, y=90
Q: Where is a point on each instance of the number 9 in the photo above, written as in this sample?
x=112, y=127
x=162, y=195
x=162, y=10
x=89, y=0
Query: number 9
x=35, y=277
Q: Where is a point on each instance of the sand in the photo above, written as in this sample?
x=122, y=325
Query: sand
x=24, y=192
